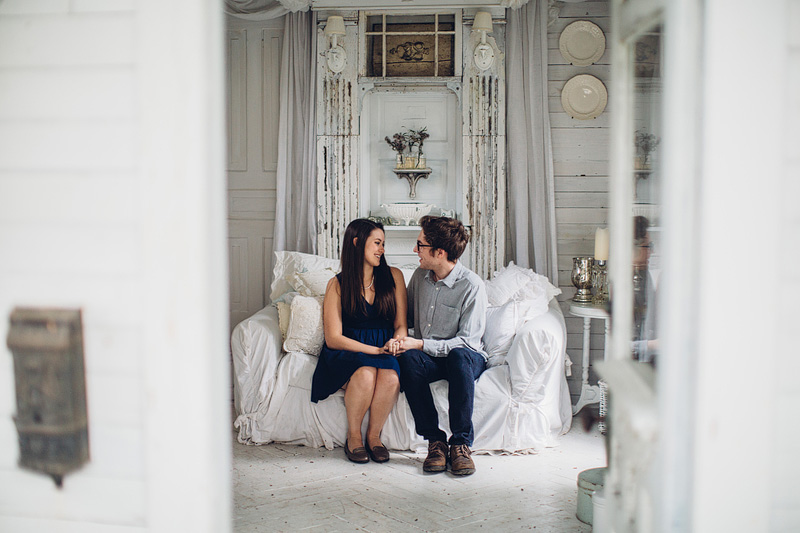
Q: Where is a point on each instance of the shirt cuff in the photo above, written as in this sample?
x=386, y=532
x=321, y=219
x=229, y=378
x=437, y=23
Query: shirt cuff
x=432, y=347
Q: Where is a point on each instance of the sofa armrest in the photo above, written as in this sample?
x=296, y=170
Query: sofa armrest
x=536, y=357
x=256, y=344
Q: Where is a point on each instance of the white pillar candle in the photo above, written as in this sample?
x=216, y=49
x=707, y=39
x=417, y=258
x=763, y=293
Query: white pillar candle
x=601, y=244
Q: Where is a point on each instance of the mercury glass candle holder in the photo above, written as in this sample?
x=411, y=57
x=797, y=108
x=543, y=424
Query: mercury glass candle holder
x=582, y=278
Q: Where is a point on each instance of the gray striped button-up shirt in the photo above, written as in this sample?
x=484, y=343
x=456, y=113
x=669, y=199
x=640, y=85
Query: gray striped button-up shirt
x=449, y=313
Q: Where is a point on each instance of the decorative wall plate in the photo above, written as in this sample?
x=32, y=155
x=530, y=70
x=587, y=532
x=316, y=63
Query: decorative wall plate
x=584, y=97
x=582, y=43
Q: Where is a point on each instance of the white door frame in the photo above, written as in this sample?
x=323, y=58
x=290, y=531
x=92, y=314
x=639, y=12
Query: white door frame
x=186, y=370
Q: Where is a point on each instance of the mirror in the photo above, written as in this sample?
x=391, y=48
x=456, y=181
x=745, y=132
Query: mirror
x=647, y=62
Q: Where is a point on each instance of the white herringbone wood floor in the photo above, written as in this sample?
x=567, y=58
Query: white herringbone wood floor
x=292, y=488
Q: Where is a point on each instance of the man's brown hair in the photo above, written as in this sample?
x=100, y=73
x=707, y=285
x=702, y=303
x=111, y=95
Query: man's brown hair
x=446, y=234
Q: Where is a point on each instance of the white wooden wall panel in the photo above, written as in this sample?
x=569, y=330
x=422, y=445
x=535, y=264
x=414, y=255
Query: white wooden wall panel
x=70, y=236
x=253, y=106
x=237, y=99
x=581, y=166
x=86, y=89
x=390, y=112
x=237, y=260
x=785, y=468
x=270, y=84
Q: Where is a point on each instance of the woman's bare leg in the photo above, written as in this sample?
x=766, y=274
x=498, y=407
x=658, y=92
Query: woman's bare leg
x=387, y=387
x=357, y=397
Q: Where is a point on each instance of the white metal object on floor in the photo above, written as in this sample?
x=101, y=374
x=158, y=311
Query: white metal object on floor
x=589, y=393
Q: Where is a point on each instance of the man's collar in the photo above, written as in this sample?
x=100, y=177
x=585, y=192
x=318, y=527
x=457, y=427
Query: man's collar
x=451, y=278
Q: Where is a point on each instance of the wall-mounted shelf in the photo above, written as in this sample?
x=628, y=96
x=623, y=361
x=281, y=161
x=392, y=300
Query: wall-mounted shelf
x=413, y=175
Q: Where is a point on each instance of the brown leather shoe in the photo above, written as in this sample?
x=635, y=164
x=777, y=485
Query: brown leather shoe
x=379, y=454
x=359, y=455
x=461, y=463
x=437, y=457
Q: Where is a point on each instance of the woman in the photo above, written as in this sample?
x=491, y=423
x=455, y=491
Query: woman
x=364, y=315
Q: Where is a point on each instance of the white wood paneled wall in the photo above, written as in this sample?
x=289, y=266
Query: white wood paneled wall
x=67, y=131
x=111, y=200
x=252, y=79
x=581, y=164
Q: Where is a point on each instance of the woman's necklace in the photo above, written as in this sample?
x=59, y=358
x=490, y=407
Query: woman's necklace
x=371, y=282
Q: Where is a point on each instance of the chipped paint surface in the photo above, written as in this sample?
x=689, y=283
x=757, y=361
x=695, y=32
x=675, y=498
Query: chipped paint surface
x=484, y=161
x=337, y=146
x=482, y=104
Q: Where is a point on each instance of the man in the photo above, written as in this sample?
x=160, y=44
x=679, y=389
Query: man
x=447, y=308
x=645, y=336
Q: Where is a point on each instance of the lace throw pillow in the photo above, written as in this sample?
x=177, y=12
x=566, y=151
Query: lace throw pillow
x=305, y=332
x=313, y=282
x=284, y=315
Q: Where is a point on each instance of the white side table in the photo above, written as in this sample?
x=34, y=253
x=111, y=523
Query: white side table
x=589, y=393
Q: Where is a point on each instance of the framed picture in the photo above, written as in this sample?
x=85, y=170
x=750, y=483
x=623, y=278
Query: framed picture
x=412, y=55
x=647, y=56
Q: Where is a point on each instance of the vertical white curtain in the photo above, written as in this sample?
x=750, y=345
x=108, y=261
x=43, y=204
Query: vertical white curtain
x=296, y=208
x=531, y=209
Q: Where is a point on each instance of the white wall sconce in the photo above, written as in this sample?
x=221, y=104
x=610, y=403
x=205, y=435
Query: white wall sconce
x=484, y=53
x=337, y=57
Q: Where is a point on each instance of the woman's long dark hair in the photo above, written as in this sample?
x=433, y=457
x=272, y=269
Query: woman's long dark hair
x=352, y=280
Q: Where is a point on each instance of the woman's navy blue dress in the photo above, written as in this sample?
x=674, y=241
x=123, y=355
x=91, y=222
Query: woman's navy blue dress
x=336, y=366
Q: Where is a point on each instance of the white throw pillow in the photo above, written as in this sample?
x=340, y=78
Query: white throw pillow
x=305, y=333
x=313, y=282
x=288, y=263
x=520, y=284
x=284, y=317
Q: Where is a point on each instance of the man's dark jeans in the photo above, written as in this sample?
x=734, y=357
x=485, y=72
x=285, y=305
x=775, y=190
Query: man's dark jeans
x=461, y=367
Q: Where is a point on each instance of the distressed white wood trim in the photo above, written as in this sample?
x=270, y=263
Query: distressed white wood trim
x=483, y=156
x=337, y=143
x=482, y=107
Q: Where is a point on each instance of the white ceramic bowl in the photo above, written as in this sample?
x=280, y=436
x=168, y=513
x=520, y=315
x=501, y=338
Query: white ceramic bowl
x=407, y=212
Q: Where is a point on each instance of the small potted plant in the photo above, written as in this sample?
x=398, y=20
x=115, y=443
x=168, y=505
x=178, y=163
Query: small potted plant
x=645, y=144
x=417, y=138
x=398, y=144
x=408, y=146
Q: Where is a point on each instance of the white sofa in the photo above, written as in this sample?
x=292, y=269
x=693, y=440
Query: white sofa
x=522, y=403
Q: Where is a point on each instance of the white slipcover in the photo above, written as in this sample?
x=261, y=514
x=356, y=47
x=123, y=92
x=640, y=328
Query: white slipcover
x=521, y=406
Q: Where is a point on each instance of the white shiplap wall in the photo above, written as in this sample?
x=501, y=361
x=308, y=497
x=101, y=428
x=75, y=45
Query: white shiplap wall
x=252, y=78
x=110, y=160
x=69, y=236
x=581, y=164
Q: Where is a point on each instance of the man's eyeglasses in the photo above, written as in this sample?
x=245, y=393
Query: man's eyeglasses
x=421, y=246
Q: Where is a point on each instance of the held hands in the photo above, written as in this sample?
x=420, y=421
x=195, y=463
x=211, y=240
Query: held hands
x=392, y=347
x=396, y=346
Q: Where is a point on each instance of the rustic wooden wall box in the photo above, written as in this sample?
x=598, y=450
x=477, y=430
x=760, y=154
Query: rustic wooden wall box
x=47, y=346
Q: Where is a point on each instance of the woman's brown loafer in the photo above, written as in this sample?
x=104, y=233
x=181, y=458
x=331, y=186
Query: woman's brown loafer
x=359, y=455
x=379, y=454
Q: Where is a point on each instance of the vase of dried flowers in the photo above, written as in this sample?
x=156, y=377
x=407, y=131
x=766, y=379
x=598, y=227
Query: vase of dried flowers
x=408, y=146
x=645, y=144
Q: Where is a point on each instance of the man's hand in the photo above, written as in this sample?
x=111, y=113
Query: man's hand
x=410, y=343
